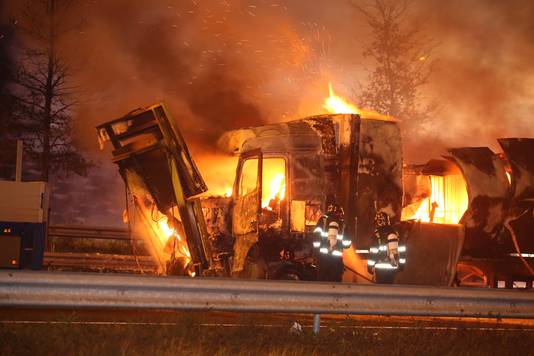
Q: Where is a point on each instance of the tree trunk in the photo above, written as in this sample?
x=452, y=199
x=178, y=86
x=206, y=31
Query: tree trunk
x=49, y=95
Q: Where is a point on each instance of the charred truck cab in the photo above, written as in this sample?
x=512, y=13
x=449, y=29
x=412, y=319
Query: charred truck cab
x=285, y=174
x=288, y=174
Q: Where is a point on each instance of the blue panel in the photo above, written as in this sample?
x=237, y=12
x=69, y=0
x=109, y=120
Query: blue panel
x=32, y=242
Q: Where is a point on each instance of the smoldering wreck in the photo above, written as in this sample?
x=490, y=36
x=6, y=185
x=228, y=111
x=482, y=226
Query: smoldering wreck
x=463, y=219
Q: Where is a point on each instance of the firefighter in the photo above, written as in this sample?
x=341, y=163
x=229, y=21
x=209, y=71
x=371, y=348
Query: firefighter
x=386, y=256
x=329, y=242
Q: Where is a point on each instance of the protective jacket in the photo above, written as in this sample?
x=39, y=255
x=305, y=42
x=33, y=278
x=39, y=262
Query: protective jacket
x=329, y=238
x=386, y=253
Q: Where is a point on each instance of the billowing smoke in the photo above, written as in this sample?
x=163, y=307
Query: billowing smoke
x=225, y=64
x=484, y=78
x=139, y=53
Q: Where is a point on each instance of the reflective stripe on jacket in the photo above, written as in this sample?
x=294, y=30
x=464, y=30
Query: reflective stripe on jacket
x=329, y=238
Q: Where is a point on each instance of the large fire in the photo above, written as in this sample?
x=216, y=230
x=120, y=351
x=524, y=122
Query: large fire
x=447, y=202
x=335, y=104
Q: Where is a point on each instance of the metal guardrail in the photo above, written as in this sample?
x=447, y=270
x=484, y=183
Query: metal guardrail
x=83, y=290
x=89, y=232
x=94, y=261
x=98, y=262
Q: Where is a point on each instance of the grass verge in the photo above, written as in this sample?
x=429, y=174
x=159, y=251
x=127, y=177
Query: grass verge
x=192, y=336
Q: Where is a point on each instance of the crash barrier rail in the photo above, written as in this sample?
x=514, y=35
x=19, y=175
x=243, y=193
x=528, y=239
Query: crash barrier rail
x=89, y=232
x=85, y=290
x=99, y=261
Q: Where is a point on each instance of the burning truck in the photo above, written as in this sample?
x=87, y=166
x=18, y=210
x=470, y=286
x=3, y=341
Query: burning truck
x=287, y=172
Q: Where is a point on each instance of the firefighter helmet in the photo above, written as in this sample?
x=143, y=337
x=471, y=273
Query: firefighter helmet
x=334, y=209
x=382, y=219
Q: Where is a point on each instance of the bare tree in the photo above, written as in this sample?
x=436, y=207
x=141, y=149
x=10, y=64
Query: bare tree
x=7, y=127
x=402, y=61
x=43, y=95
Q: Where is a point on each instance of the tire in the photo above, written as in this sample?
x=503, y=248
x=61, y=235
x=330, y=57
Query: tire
x=287, y=273
x=384, y=277
x=290, y=275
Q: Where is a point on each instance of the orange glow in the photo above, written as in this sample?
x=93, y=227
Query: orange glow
x=337, y=105
x=449, y=196
x=273, y=181
x=164, y=243
x=218, y=172
x=165, y=229
x=167, y=232
x=276, y=189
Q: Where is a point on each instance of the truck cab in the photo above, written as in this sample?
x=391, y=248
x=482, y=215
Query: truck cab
x=285, y=173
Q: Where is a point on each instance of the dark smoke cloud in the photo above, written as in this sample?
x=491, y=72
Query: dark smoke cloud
x=153, y=53
x=484, y=79
x=224, y=64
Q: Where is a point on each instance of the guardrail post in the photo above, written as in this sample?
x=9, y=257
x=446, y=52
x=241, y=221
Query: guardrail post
x=316, y=323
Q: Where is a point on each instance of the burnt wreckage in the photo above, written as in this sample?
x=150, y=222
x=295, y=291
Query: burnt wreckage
x=285, y=174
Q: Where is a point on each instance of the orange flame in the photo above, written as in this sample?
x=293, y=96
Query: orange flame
x=276, y=189
x=337, y=105
x=165, y=229
x=273, y=182
x=166, y=232
x=161, y=235
x=449, y=198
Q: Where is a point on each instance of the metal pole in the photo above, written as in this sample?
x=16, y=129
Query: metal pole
x=18, y=167
x=316, y=323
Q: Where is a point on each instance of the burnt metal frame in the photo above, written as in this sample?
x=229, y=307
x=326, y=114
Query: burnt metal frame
x=178, y=158
x=235, y=194
x=250, y=154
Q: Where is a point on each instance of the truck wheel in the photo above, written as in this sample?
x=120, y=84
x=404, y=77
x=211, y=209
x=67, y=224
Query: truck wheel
x=290, y=275
x=287, y=273
x=384, y=277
